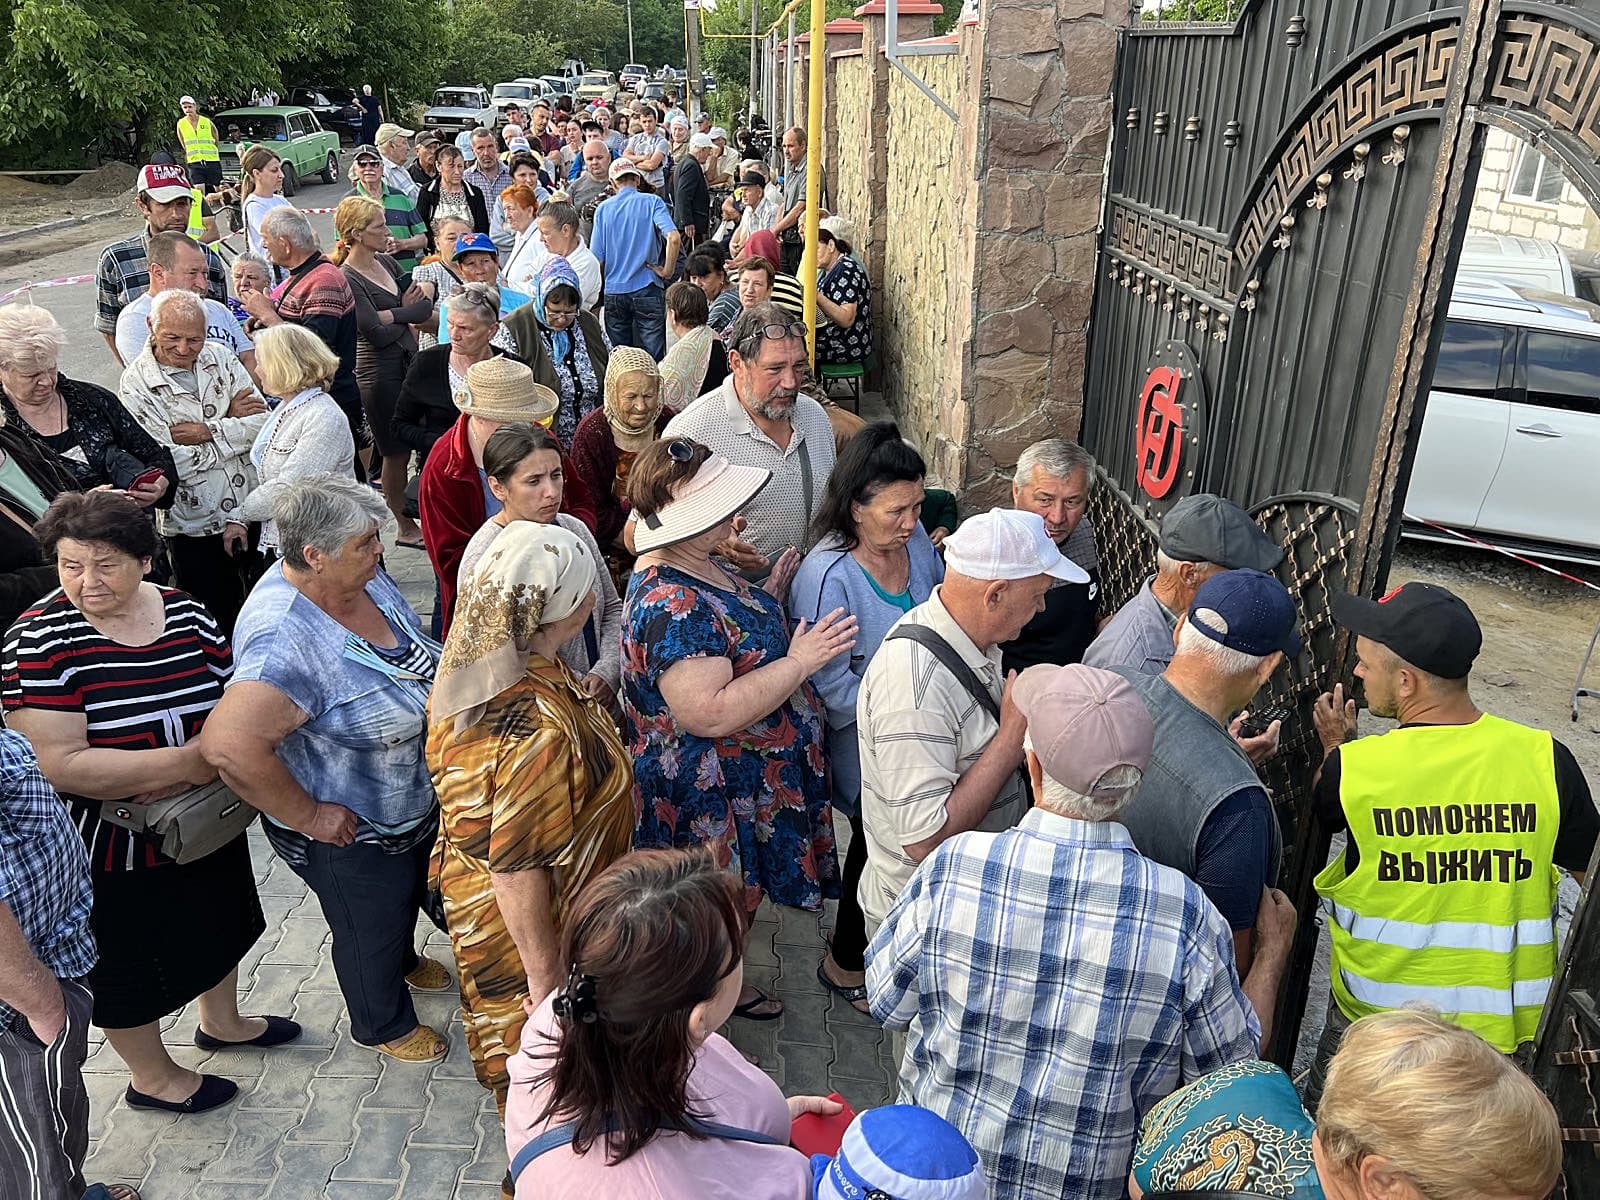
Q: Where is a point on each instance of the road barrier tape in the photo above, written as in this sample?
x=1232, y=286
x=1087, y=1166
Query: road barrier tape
x=31, y=285
x=1526, y=561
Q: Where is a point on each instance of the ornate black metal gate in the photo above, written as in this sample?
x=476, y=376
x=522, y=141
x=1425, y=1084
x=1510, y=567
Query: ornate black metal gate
x=1287, y=195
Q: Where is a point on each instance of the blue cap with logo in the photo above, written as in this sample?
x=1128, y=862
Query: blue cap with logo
x=900, y=1152
x=1247, y=611
x=471, y=243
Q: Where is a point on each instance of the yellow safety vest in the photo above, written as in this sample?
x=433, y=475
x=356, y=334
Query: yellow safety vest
x=197, y=221
x=199, y=140
x=1451, y=902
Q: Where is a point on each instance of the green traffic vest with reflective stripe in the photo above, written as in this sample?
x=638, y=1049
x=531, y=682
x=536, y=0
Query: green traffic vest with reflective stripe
x=199, y=140
x=1451, y=902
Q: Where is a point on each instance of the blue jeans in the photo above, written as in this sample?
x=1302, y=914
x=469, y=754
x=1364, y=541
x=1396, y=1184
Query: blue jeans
x=638, y=319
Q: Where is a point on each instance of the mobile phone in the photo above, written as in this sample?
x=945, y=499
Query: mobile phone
x=145, y=478
x=1257, y=722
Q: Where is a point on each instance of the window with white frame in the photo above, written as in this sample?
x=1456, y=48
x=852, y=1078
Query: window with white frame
x=1535, y=177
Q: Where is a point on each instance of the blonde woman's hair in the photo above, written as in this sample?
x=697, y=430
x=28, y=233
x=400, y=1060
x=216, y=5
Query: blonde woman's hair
x=291, y=358
x=352, y=216
x=1445, y=1108
x=253, y=159
x=30, y=338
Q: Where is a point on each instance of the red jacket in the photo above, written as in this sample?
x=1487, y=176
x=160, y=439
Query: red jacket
x=450, y=498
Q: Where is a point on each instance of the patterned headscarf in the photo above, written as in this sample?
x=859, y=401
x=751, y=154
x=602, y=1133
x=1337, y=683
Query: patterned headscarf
x=555, y=271
x=531, y=576
x=624, y=360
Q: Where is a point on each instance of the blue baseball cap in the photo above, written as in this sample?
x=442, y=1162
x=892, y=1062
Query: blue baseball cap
x=1247, y=611
x=902, y=1152
x=469, y=242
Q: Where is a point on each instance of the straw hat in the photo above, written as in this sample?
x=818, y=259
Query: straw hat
x=714, y=493
x=503, y=389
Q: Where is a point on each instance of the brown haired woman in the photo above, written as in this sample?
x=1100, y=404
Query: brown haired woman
x=623, y=1086
x=260, y=191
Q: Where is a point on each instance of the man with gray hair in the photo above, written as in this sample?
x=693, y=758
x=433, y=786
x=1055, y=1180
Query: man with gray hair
x=317, y=295
x=1202, y=808
x=1200, y=536
x=178, y=261
x=1054, y=478
x=1056, y=984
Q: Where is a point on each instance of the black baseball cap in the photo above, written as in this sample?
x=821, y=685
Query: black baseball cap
x=1207, y=528
x=1428, y=626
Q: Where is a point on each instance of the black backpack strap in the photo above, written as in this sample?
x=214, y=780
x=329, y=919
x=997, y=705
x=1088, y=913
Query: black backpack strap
x=561, y=1135
x=952, y=662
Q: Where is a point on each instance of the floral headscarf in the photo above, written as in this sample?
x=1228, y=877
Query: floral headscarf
x=555, y=271
x=624, y=361
x=531, y=576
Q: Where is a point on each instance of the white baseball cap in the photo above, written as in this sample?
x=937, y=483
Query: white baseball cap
x=1005, y=543
x=718, y=133
x=701, y=141
x=182, y=100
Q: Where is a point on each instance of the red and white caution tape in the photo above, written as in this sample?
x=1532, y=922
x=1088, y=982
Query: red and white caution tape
x=1530, y=562
x=45, y=283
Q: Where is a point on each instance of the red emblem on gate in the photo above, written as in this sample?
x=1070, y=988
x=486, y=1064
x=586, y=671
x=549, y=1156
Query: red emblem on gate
x=1158, y=437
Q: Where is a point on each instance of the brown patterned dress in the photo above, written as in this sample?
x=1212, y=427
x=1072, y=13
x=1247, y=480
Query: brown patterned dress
x=541, y=781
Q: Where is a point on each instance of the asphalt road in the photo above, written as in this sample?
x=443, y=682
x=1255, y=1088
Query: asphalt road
x=77, y=252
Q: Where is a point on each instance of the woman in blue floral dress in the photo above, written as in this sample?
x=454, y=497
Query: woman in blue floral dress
x=725, y=731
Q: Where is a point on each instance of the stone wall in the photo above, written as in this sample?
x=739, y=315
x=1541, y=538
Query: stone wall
x=849, y=127
x=1561, y=216
x=923, y=189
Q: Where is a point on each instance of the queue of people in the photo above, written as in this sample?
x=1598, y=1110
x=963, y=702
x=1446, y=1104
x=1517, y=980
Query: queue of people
x=682, y=640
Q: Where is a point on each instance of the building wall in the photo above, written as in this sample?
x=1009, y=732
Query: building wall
x=922, y=193
x=847, y=178
x=1569, y=220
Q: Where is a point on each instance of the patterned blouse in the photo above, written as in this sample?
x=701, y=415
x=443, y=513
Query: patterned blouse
x=846, y=283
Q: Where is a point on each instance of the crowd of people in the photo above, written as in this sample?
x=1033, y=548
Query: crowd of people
x=686, y=618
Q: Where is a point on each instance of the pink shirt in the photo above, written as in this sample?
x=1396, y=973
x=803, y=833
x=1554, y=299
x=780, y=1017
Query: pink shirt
x=722, y=1087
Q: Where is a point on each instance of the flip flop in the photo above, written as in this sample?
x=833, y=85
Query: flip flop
x=410, y=543
x=853, y=996
x=747, y=1010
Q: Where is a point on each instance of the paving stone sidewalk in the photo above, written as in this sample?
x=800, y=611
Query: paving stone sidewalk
x=324, y=1117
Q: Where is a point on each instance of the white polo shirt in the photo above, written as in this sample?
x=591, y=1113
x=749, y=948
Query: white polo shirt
x=133, y=327
x=781, y=514
x=919, y=730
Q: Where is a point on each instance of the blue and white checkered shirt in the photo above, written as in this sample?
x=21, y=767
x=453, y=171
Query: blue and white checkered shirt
x=1055, y=985
x=44, y=868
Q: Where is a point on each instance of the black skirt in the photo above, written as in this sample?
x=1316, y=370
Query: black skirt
x=171, y=932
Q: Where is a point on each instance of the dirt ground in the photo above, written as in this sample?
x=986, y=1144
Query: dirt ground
x=26, y=202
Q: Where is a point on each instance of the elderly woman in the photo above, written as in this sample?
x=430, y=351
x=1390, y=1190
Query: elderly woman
x=194, y=397
x=111, y=678
x=873, y=560
x=439, y=269
x=525, y=472
x=86, y=425
x=521, y=268
x=478, y=261
x=571, y=339
x=726, y=732
x=610, y=438
x=697, y=361
x=251, y=271
x=781, y=289
x=844, y=297
x=448, y=194
x=307, y=433
x=322, y=729
x=31, y=476
x=1415, y=1109
x=651, y=966
x=388, y=303
x=535, y=789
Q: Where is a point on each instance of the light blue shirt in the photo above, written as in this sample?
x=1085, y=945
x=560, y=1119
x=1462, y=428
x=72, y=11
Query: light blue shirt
x=624, y=240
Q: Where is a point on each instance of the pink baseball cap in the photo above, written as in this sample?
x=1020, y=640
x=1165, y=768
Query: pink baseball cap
x=1083, y=723
x=164, y=182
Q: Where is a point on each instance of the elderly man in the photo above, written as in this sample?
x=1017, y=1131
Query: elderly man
x=648, y=150
x=625, y=230
x=193, y=397
x=46, y=950
x=724, y=162
x=164, y=198
x=592, y=185
x=691, y=198
x=425, y=170
x=1054, y=478
x=1055, y=983
x=759, y=211
x=394, y=143
x=1459, y=824
x=178, y=261
x=1202, y=808
x=789, y=225
x=491, y=177
x=316, y=295
x=758, y=417
x=1200, y=536
x=940, y=737
x=408, y=234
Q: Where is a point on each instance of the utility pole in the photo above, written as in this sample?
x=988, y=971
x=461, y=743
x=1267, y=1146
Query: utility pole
x=755, y=50
x=631, y=58
x=693, y=99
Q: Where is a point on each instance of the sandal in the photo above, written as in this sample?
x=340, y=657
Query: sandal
x=747, y=1010
x=429, y=975
x=410, y=543
x=855, y=997
x=421, y=1045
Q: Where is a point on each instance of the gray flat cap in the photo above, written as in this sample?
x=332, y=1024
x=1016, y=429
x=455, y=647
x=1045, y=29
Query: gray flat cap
x=1207, y=528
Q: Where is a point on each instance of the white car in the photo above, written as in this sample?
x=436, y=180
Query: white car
x=1510, y=445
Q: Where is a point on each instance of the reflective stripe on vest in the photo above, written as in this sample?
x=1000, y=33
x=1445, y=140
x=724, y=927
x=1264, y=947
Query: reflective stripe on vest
x=197, y=220
x=199, y=140
x=1451, y=901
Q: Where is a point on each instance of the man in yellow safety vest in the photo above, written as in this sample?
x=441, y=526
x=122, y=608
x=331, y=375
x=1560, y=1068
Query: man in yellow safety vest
x=1459, y=825
x=199, y=138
